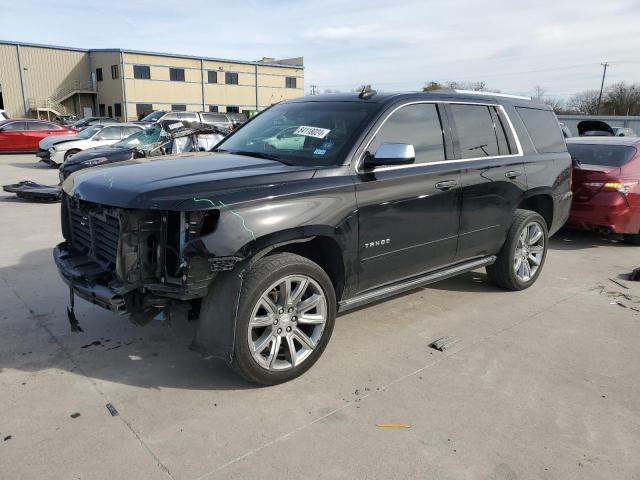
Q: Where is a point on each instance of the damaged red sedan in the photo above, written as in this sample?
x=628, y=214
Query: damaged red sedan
x=606, y=185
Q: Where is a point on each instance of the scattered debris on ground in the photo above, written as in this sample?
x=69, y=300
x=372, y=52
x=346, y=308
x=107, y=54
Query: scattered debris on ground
x=445, y=343
x=28, y=190
x=635, y=275
x=393, y=425
x=619, y=282
x=8, y=437
x=112, y=410
x=74, y=415
x=95, y=343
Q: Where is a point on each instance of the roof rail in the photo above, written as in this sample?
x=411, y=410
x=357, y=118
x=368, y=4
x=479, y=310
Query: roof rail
x=475, y=92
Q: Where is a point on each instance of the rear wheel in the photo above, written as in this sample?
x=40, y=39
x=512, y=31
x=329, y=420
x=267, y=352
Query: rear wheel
x=285, y=318
x=522, y=256
x=633, y=239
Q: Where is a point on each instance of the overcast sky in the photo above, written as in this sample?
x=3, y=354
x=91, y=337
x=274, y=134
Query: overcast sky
x=392, y=45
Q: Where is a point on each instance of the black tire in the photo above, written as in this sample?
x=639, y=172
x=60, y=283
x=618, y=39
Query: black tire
x=633, y=239
x=70, y=153
x=260, y=277
x=502, y=271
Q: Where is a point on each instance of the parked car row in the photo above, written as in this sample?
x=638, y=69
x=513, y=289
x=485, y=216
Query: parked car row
x=54, y=150
x=24, y=134
x=229, y=121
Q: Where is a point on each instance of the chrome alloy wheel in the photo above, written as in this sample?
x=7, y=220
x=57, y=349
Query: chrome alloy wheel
x=529, y=252
x=287, y=322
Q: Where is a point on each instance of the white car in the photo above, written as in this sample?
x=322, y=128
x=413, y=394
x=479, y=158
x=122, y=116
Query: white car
x=55, y=150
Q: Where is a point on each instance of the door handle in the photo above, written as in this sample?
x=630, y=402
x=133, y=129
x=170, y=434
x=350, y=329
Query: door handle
x=446, y=184
x=513, y=174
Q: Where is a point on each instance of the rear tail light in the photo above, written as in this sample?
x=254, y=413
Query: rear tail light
x=622, y=186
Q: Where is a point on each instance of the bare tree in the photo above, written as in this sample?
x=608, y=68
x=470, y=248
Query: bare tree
x=539, y=93
x=557, y=104
x=432, y=86
x=585, y=103
x=622, y=99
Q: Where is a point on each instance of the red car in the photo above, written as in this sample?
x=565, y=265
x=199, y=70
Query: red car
x=23, y=135
x=606, y=185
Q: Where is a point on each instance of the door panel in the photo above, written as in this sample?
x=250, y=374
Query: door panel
x=408, y=216
x=491, y=187
x=407, y=224
x=489, y=198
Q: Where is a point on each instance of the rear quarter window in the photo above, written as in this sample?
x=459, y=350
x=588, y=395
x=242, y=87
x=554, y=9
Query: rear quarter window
x=544, y=129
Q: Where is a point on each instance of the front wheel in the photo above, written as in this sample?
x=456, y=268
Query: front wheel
x=522, y=256
x=70, y=154
x=285, y=318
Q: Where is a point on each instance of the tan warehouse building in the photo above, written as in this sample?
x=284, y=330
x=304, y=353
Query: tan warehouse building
x=44, y=80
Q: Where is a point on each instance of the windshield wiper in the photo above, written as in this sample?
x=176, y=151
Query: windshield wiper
x=266, y=156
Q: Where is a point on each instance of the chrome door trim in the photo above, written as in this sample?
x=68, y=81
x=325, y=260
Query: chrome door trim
x=442, y=162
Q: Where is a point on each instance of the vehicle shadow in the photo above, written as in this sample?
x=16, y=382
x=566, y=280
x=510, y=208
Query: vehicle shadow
x=112, y=349
x=574, y=239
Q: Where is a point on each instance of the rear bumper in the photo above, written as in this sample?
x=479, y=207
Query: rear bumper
x=609, y=210
x=562, y=208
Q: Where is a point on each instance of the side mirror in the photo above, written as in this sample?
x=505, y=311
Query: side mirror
x=389, y=154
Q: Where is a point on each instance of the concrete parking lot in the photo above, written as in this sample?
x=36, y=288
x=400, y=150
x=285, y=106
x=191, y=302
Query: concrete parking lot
x=544, y=383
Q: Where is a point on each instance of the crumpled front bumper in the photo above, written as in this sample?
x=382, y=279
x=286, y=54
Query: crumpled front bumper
x=90, y=281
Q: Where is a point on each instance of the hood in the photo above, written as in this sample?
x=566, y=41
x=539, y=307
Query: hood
x=113, y=154
x=166, y=182
x=48, y=142
x=586, y=126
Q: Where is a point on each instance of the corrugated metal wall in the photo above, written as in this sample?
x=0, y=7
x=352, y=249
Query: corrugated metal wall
x=10, y=81
x=44, y=70
x=47, y=69
x=571, y=121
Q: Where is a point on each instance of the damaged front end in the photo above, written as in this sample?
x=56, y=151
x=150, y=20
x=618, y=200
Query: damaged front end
x=138, y=262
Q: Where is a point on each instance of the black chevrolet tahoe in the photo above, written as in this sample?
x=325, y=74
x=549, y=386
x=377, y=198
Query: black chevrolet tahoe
x=315, y=206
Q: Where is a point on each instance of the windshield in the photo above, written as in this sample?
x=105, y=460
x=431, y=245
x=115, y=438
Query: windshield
x=153, y=116
x=144, y=139
x=605, y=155
x=305, y=134
x=89, y=132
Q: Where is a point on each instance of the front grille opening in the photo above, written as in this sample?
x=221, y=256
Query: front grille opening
x=95, y=231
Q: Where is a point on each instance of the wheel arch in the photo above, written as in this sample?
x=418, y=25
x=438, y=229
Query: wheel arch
x=541, y=202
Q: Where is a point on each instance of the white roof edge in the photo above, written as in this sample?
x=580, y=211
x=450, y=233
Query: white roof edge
x=475, y=92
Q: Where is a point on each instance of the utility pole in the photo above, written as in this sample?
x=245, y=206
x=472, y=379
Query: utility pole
x=605, y=65
x=313, y=89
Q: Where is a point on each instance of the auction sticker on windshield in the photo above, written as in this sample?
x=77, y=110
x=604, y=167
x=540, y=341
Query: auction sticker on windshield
x=315, y=132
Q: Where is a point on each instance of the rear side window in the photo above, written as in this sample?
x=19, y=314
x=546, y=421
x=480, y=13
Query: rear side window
x=13, y=126
x=543, y=129
x=39, y=126
x=215, y=118
x=126, y=131
x=605, y=155
x=418, y=125
x=476, y=132
x=110, y=133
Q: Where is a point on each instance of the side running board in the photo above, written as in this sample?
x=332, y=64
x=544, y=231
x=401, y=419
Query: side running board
x=415, y=282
